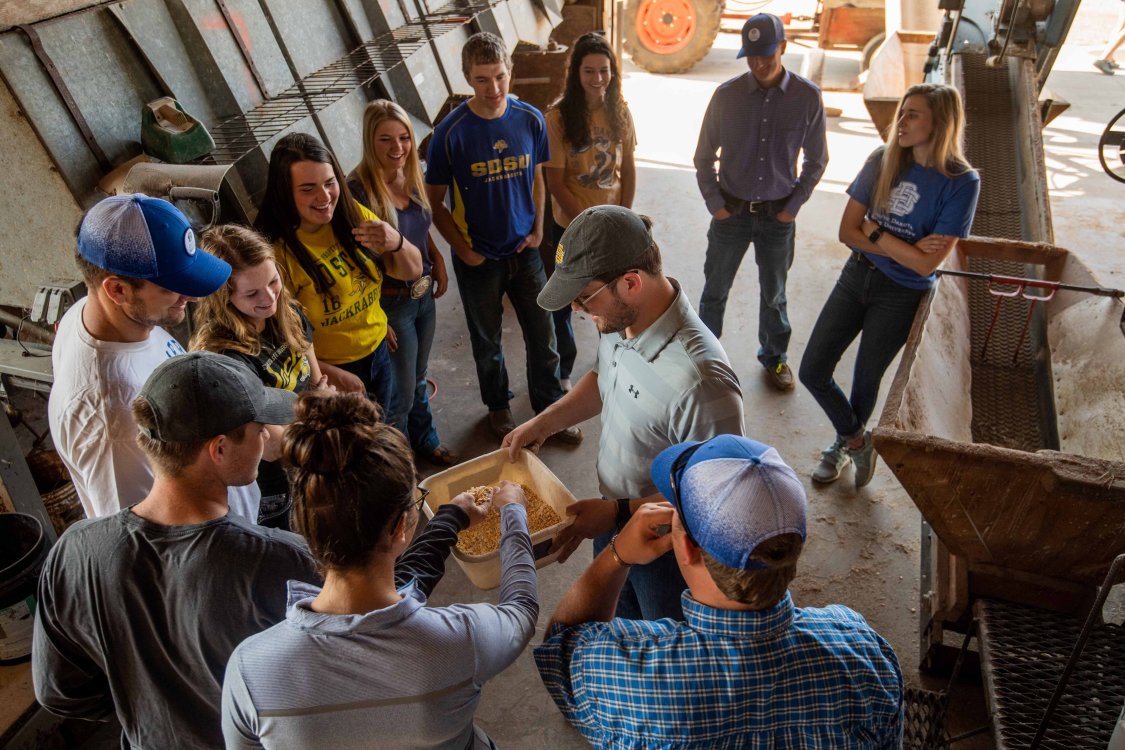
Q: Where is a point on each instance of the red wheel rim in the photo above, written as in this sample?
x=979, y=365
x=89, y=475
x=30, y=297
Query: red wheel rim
x=665, y=26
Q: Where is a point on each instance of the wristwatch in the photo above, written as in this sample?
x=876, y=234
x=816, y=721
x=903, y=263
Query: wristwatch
x=623, y=512
x=876, y=233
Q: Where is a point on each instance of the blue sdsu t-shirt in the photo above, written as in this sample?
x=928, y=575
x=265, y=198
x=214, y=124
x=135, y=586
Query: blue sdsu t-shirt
x=923, y=202
x=489, y=166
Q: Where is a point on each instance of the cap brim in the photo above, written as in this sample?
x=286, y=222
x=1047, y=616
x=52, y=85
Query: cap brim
x=661, y=471
x=768, y=49
x=277, y=407
x=559, y=292
x=201, y=277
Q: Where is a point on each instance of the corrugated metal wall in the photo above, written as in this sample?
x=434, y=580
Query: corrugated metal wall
x=251, y=70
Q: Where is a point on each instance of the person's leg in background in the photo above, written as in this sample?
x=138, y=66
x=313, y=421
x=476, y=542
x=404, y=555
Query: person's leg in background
x=727, y=241
x=564, y=330
x=482, y=289
x=773, y=252
x=526, y=281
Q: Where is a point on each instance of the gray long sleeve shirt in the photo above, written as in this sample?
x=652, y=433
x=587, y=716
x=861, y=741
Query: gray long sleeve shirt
x=757, y=134
x=406, y=676
x=138, y=619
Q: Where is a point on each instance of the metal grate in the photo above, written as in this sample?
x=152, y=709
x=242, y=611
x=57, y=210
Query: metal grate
x=239, y=135
x=924, y=723
x=1006, y=400
x=1023, y=651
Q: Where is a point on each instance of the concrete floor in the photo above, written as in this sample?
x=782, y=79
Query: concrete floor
x=863, y=546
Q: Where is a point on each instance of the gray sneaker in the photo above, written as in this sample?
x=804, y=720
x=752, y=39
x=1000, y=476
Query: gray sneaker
x=832, y=461
x=1105, y=66
x=864, y=459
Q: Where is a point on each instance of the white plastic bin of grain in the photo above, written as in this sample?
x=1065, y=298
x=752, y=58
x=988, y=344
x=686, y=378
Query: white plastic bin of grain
x=484, y=570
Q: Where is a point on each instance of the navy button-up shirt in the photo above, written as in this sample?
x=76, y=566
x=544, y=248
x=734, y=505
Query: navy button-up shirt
x=757, y=134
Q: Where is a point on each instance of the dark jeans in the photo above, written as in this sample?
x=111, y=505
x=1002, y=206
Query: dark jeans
x=564, y=330
x=727, y=242
x=863, y=301
x=377, y=375
x=482, y=291
x=651, y=591
x=414, y=321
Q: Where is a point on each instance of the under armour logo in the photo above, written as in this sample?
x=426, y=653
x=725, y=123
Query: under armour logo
x=633, y=390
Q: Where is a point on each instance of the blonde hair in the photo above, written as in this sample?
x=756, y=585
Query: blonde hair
x=369, y=172
x=221, y=325
x=946, y=155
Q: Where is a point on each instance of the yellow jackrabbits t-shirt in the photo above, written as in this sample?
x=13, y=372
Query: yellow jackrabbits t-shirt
x=348, y=323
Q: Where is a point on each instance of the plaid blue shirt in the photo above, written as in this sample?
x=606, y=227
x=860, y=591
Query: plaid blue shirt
x=778, y=678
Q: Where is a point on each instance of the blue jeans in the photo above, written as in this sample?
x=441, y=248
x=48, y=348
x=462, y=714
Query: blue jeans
x=727, y=241
x=863, y=301
x=482, y=291
x=651, y=591
x=413, y=321
x=377, y=375
x=564, y=330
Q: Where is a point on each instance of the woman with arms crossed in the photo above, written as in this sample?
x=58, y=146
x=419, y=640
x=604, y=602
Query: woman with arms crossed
x=908, y=206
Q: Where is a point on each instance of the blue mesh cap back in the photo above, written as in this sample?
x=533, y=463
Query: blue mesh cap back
x=734, y=494
x=147, y=238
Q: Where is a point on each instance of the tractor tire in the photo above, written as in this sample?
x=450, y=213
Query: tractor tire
x=670, y=36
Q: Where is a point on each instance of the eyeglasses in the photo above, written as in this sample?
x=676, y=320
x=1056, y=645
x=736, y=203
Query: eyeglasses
x=423, y=493
x=584, y=299
x=678, y=467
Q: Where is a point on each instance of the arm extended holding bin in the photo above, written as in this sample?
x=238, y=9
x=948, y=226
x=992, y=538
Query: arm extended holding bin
x=424, y=560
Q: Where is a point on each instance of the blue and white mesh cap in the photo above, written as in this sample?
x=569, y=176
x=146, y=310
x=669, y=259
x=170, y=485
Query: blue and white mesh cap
x=732, y=494
x=148, y=238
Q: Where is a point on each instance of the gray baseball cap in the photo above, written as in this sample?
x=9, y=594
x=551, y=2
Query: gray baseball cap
x=601, y=240
x=200, y=395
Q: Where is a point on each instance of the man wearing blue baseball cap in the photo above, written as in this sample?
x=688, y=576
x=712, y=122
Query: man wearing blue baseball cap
x=138, y=258
x=747, y=668
x=755, y=127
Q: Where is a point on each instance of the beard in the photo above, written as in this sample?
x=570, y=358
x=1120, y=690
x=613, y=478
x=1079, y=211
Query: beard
x=620, y=317
x=139, y=314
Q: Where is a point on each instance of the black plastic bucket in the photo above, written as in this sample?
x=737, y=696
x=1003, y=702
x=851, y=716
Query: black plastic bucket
x=23, y=548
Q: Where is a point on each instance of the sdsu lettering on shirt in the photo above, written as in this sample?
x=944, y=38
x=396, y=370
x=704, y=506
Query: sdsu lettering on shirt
x=348, y=322
x=489, y=167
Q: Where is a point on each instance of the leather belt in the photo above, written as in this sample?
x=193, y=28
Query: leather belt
x=736, y=205
x=417, y=289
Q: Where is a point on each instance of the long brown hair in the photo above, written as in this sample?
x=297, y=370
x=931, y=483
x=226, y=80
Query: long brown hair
x=352, y=479
x=946, y=156
x=572, y=103
x=278, y=218
x=370, y=173
x=221, y=325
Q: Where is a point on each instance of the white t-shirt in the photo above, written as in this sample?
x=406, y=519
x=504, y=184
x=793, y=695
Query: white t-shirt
x=91, y=419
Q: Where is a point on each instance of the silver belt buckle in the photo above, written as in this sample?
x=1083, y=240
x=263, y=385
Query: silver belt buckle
x=419, y=288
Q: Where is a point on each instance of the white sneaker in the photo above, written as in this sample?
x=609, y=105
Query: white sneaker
x=833, y=459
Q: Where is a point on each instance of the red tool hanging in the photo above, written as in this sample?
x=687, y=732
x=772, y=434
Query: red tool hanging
x=1020, y=289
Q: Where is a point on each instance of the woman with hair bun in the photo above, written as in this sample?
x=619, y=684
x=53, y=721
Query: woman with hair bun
x=911, y=202
x=362, y=661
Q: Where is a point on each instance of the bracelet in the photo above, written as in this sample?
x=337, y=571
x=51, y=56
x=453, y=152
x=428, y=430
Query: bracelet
x=616, y=557
x=398, y=247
